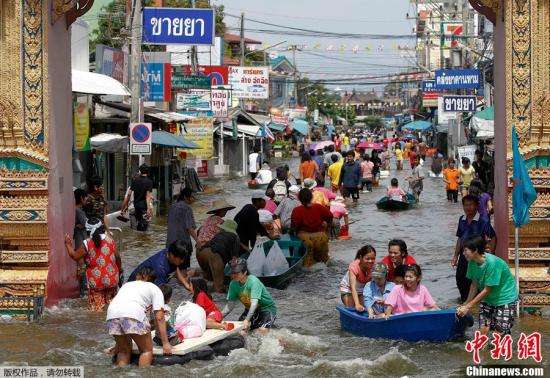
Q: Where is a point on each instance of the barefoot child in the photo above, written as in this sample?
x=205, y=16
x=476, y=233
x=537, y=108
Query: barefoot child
x=202, y=298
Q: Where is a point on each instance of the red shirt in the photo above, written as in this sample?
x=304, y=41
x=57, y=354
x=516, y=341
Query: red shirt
x=387, y=261
x=310, y=218
x=206, y=303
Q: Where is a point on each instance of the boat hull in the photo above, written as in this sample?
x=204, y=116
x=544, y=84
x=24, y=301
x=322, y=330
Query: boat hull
x=388, y=204
x=433, y=326
x=257, y=186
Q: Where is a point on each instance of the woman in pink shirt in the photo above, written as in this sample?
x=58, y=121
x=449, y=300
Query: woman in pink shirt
x=357, y=275
x=411, y=296
x=366, y=172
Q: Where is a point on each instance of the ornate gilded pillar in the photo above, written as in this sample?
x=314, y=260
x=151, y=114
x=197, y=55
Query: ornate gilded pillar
x=36, y=202
x=522, y=86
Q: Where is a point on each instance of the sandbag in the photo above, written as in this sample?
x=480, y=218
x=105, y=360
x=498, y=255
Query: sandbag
x=225, y=346
x=256, y=261
x=275, y=262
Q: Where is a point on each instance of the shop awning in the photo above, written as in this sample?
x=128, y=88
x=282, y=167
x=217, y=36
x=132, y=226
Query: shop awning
x=168, y=116
x=277, y=127
x=97, y=84
x=300, y=126
x=483, y=123
x=418, y=126
x=109, y=142
x=166, y=139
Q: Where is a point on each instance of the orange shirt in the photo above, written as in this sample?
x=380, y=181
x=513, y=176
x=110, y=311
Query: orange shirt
x=307, y=169
x=453, y=177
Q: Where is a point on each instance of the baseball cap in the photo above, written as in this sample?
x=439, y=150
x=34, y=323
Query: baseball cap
x=379, y=271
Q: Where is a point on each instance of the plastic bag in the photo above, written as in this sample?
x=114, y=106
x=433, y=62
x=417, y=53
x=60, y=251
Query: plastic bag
x=276, y=262
x=189, y=320
x=256, y=261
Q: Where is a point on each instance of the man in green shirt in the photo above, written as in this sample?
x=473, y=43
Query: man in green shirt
x=493, y=287
x=260, y=310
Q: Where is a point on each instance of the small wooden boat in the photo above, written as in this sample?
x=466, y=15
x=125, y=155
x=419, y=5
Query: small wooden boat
x=255, y=185
x=294, y=251
x=434, y=326
x=388, y=204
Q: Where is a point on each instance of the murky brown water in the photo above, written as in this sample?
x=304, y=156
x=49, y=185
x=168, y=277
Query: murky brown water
x=314, y=345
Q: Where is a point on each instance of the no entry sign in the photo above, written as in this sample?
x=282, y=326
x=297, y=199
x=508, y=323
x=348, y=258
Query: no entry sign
x=140, y=138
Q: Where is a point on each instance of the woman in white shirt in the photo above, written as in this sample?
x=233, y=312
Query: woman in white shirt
x=128, y=319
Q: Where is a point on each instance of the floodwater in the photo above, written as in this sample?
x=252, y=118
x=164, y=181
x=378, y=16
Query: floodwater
x=309, y=341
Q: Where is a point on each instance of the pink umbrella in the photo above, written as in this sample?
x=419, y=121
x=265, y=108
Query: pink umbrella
x=376, y=146
x=321, y=145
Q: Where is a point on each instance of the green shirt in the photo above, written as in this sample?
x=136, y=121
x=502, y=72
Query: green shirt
x=253, y=288
x=494, y=272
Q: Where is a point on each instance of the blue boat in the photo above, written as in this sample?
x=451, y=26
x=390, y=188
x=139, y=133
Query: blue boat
x=434, y=326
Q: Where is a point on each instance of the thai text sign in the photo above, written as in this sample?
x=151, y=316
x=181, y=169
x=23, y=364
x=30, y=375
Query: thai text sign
x=162, y=26
x=249, y=82
x=428, y=86
x=459, y=103
x=156, y=81
x=190, y=82
x=429, y=99
x=81, y=127
x=194, y=99
x=221, y=98
x=141, y=135
x=201, y=131
x=443, y=116
x=217, y=74
x=457, y=79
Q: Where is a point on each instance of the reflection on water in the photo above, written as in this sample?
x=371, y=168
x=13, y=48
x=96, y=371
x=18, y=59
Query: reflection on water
x=309, y=341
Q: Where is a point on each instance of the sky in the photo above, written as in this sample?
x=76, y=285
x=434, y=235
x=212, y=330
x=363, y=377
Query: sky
x=328, y=57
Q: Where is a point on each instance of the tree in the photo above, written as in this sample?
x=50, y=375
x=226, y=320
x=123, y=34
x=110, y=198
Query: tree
x=111, y=31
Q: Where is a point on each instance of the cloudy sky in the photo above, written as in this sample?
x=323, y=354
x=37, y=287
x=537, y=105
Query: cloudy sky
x=328, y=57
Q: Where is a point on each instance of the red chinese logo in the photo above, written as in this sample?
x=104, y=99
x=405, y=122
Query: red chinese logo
x=528, y=346
x=476, y=345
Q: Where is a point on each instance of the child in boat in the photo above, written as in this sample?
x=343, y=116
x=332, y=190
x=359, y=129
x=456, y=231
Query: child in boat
x=170, y=331
x=411, y=296
x=395, y=192
x=399, y=274
x=355, y=278
x=376, y=291
x=202, y=298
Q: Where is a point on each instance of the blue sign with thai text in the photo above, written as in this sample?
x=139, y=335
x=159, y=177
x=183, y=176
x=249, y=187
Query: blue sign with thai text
x=459, y=103
x=163, y=26
x=457, y=79
x=428, y=86
x=152, y=82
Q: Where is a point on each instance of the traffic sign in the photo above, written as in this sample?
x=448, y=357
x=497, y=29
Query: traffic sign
x=140, y=138
x=459, y=103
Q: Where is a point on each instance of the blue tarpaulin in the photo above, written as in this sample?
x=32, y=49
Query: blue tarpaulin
x=276, y=127
x=167, y=139
x=418, y=126
x=300, y=126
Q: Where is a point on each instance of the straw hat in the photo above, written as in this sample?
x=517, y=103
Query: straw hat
x=218, y=205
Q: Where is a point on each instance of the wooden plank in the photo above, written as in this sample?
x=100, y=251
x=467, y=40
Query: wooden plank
x=210, y=336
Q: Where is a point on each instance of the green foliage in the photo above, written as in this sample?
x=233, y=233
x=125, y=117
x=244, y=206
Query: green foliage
x=112, y=19
x=373, y=122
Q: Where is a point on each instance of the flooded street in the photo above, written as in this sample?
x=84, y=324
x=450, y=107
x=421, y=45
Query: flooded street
x=309, y=330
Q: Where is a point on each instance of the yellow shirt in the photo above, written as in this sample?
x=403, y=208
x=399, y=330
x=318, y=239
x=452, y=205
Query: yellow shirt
x=466, y=175
x=345, y=141
x=334, y=171
x=399, y=154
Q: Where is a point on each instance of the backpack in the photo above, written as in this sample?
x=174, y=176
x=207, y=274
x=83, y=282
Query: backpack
x=280, y=190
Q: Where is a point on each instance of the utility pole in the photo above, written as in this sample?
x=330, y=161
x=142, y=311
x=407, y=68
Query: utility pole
x=242, y=39
x=135, y=81
x=295, y=75
x=194, y=58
